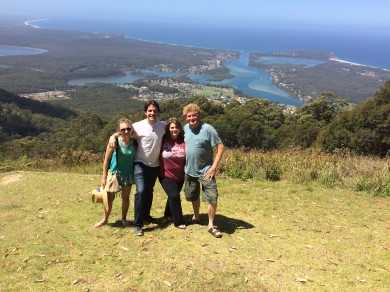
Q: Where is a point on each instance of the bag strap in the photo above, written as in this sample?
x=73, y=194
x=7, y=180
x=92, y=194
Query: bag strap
x=116, y=150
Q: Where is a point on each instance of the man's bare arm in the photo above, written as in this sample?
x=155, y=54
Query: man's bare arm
x=211, y=172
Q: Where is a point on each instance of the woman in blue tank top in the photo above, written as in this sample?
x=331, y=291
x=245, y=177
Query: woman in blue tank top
x=119, y=161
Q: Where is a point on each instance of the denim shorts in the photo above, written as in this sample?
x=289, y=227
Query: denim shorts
x=192, y=189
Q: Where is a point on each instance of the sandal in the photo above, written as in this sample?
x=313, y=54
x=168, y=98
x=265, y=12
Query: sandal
x=181, y=226
x=215, y=232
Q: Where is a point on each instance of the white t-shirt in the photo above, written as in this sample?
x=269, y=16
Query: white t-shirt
x=149, y=139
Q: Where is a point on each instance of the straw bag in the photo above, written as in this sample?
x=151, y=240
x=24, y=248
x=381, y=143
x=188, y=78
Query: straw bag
x=112, y=184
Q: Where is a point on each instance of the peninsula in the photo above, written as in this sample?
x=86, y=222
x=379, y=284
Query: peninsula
x=350, y=81
x=73, y=55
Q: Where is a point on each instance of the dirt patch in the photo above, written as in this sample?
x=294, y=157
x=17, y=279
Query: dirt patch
x=10, y=179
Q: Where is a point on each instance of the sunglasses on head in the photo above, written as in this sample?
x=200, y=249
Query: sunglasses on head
x=125, y=129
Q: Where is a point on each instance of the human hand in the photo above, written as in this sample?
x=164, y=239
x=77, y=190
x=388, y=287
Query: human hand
x=209, y=174
x=104, y=182
x=112, y=140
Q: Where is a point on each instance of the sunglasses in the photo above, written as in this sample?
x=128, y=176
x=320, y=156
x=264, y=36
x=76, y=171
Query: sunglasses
x=125, y=129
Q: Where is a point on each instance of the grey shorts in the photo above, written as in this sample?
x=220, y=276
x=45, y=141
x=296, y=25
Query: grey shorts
x=192, y=189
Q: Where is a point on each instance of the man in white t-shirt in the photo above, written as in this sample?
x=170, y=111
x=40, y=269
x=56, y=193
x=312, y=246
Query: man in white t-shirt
x=149, y=133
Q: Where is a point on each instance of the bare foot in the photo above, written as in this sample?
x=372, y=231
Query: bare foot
x=100, y=224
x=181, y=226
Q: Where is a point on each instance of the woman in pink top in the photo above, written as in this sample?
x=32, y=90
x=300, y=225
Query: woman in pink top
x=172, y=161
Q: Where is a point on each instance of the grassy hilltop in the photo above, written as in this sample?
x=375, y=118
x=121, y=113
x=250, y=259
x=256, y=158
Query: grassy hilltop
x=276, y=236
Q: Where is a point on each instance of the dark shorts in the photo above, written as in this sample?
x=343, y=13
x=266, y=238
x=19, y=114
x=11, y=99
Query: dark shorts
x=192, y=189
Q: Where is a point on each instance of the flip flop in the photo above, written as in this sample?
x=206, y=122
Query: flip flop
x=215, y=232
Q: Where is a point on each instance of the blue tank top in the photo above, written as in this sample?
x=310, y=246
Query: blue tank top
x=124, y=165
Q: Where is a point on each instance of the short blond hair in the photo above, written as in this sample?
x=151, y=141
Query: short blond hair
x=192, y=107
x=124, y=121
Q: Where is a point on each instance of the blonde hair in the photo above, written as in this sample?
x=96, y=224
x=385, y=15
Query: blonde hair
x=124, y=121
x=192, y=107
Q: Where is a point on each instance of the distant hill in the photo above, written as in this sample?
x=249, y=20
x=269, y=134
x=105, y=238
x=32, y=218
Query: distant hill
x=20, y=117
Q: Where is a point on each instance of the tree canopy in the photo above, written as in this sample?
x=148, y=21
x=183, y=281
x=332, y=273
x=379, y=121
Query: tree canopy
x=364, y=129
x=43, y=129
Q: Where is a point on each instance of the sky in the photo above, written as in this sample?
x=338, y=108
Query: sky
x=362, y=14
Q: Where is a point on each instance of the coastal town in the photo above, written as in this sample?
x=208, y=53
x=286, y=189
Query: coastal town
x=165, y=88
x=152, y=85
x=48, y=95
x=183, y=90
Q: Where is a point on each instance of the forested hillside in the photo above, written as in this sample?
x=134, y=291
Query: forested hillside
x=21, y=117
x=366, y=129
x=104, y=99
x=43, y=130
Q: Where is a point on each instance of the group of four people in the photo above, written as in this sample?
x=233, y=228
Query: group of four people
x=175, y=155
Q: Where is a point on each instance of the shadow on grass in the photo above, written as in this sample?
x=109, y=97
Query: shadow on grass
x=230, y=225
x=146, y=228
x=118, y=224
x=225, y=224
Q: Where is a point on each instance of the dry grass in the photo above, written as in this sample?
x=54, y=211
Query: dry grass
x=341, y=169
x=276, y=236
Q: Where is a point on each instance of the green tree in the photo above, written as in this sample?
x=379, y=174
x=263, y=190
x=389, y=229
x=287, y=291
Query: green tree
x=302, y=134
x=303, y=127
x=320, y=109
x=227, y=130
x=254, y=134
x=364, y=129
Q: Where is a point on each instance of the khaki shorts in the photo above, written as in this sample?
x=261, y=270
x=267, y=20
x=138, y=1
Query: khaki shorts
x=192, y=189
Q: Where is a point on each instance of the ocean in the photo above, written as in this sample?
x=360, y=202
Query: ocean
x=364, y=47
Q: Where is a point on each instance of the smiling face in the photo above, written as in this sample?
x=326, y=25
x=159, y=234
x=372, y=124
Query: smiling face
x=152, y=113
x=174, y=130
x=193, y=119
x=125, y=129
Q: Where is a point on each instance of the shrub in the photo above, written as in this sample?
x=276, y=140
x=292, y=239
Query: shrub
x=363, y=185
x=273, y=171
x=329, y=179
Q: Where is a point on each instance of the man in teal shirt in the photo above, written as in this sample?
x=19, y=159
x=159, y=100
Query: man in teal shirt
x=200, y=139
